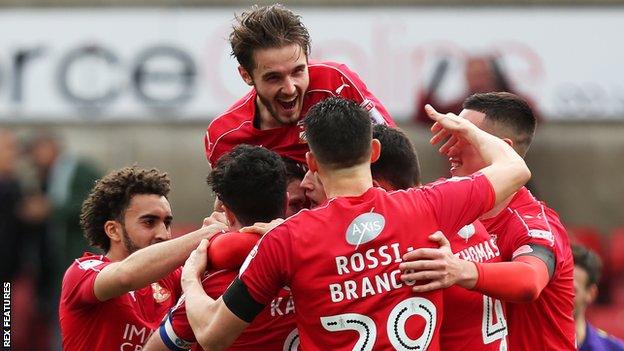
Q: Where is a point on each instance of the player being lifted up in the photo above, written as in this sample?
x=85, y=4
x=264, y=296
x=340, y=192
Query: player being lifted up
x=537, y=275
x=341, y=260
x=251, y=183
x=272, y=46
x=113, y=301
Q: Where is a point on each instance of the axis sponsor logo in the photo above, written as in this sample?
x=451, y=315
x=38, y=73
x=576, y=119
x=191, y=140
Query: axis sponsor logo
x=365, y=228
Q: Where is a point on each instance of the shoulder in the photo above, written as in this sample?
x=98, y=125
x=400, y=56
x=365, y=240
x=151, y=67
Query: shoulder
x=329, y=67
x=608, y=342
x=240, y=112
x=87, y=264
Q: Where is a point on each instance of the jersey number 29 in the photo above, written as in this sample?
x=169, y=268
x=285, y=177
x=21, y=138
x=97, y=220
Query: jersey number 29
x=395, y=328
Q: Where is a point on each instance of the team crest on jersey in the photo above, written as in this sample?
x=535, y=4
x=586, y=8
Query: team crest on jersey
x=160, y=294
x=364, y=228
x=467, y=231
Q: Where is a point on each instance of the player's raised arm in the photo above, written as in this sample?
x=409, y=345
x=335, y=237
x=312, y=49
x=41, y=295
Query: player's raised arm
x=148, y=264
x=505, y=169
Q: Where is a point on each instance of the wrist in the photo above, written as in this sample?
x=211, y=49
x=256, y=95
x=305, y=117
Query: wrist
x=469, y=276
x=189, y=283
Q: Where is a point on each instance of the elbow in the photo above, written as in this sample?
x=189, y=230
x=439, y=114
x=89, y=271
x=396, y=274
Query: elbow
x=528, y=294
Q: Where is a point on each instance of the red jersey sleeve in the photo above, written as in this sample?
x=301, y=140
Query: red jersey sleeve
x=81, y=281
x=175, y=330
x=532, y=224
x=268, y=266
x=459, y=201
x=353, y=88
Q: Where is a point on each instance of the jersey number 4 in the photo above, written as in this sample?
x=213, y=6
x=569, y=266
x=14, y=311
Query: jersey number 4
x=494, y=325
x=365, y=326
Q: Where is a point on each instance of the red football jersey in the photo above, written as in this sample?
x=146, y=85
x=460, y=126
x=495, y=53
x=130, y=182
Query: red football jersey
x=341, y=262
x=473, y=321
x=327, y=79
x=547, y=323
x=273, y=329
x=121, y=323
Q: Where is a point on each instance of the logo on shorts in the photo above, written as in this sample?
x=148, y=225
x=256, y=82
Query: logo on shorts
x=467, y=231
x=365, y=228
x=160, y=294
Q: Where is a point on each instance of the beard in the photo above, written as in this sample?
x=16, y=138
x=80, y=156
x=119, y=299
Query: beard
x=130, y=245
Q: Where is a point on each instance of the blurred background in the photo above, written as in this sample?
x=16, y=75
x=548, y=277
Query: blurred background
x=88, y=86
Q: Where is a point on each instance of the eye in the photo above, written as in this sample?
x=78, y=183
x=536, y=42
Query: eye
x=272, y=79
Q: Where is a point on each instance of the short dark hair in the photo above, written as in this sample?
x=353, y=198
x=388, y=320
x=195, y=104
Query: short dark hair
x=251, y=182
x=398, y=161
x=338, y=132
x=266, y=27
x=111, y=196
x=589, y=261
x=509, y=111
x=294, y=169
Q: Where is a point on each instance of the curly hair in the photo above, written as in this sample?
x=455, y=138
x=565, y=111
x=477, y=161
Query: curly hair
x=111, y=196
x=266, y=27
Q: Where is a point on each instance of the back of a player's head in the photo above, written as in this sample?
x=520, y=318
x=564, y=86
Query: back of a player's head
x=509, y=115
x=266, y=27
x=251, y=182
x=111, y=196
x=398, y=164
x=339, y=133
x=588, y=261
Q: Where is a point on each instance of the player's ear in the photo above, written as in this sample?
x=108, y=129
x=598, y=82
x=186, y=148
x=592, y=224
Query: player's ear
x=509, y=142
x=218, y=205
x=229, y=216
x=375, y=150
x=311, y=161
x=376, y=183
x=245, y=75
x=113, y=230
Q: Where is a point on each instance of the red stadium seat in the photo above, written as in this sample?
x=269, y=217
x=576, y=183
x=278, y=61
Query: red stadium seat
x=615, y=252
x=588, y=237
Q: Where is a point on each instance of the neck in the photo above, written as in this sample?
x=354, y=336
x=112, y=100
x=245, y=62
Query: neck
x=497, y=209
x=267, y=121
x=352, y=181
x=236, y=226
x=116, y=253
x=580, y=325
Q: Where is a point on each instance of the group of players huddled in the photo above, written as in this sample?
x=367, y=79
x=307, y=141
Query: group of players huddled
x=323, y=236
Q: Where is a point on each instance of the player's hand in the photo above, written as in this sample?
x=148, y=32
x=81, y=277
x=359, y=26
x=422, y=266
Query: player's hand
x=212, y=229
x=195, y=265
x=215, y=218
x=262, y=228
x=439, y=268
x=449, y=127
